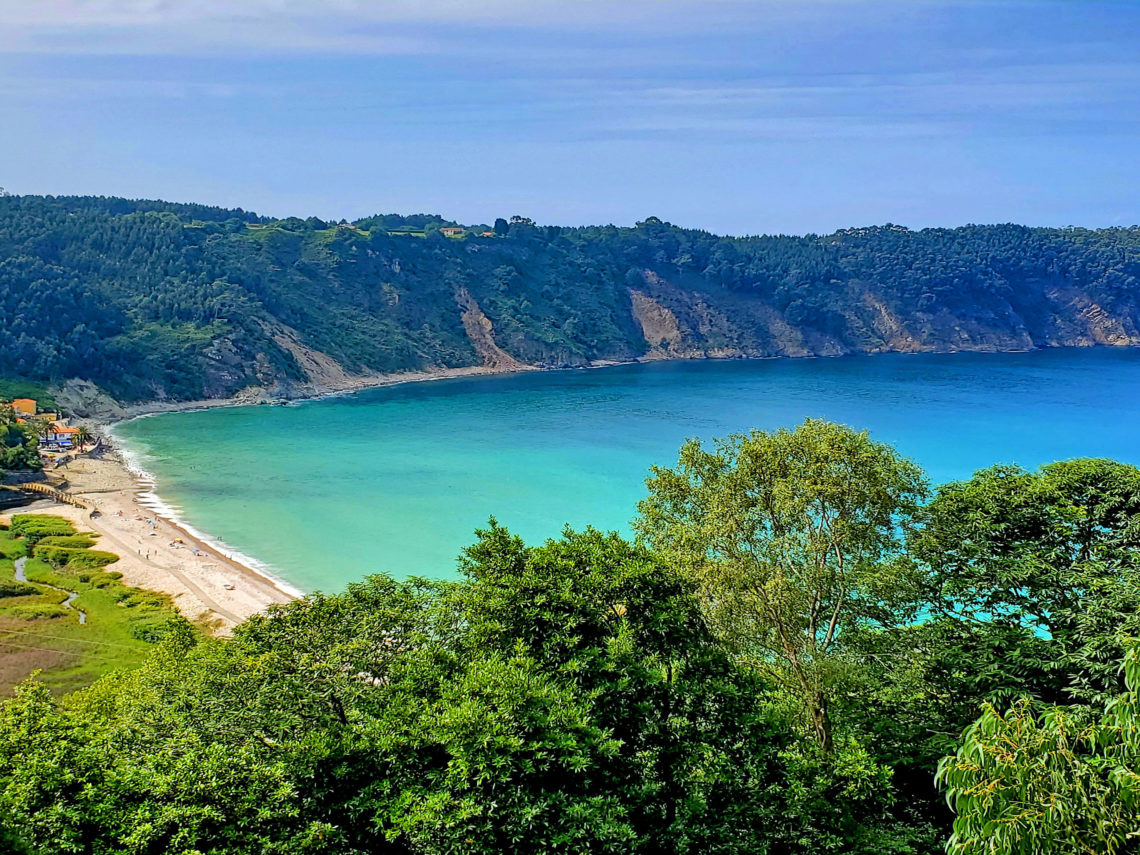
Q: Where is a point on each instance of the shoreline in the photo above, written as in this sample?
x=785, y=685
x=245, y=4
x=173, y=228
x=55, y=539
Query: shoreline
x=256, y=396
x=203, y=596
x=207, y=583
x=146, y=496
x=262, y=397
x=205, y=599
x=124, y=494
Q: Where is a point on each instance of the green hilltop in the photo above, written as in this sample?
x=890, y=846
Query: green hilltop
x=154, y=300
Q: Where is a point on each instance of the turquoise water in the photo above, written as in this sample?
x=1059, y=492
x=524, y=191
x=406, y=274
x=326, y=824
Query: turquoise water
x=397, y=479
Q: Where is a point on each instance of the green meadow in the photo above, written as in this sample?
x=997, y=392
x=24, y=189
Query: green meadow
x=40, y=631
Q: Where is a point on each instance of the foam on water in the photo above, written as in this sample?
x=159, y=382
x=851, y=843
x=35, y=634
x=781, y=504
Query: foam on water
x=149, y=498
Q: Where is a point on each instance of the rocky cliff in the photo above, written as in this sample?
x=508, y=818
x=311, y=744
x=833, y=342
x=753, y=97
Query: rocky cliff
x=146, y=301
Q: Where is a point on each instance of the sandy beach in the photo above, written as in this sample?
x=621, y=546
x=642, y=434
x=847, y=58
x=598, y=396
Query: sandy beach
x=207, y=586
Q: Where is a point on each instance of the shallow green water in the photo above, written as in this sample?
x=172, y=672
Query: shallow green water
x=397, y=479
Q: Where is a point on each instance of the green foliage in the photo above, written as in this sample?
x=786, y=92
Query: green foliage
x=35, y=527
x=563, y=698
x=1052, y=552
x=11, y=588
x=122, y=623
x=77, y=559
x=37, y=611
x=1048, y=782
x=157, y=628
x=151, y=299
x=795, y=538
x=12, y=388
x=627, y=632
x=776, y=668
x=847, y=798
x=84, y=540
x=19, y=443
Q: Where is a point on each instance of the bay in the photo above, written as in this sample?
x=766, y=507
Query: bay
x=397, y=479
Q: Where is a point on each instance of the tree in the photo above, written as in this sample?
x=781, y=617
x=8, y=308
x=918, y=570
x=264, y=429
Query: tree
x=626, y=632
x=564, y=698
x=1048, y=782
x=794, y=535
x=19, y=443
x=83, y=436
x=1043, y=552
x=502, y=227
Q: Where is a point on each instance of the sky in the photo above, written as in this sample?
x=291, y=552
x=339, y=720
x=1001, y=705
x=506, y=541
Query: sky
x=735, y=116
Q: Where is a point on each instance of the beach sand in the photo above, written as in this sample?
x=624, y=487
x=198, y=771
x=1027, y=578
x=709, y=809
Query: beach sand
x=149, y=557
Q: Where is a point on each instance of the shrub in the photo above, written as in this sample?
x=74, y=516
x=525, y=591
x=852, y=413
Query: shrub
x=36, y=611
x=12, y=588
x=135, y=597
x=35, y=527
x=83, y=540
x=93, y=559
x=77, y=559
x=154, y=630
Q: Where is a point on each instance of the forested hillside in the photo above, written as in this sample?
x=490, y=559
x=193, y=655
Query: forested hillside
x=805, y=652
x=152, y=300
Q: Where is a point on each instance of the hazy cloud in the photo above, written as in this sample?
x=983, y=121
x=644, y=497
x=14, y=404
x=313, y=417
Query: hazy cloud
x=733, y=114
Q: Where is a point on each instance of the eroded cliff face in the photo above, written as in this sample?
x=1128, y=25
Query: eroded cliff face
x=155, y=302
x=664, y=317
x=482, y=334
x=681, y=323
x=669, y=320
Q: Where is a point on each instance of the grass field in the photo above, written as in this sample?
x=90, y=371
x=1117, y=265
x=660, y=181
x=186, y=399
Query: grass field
x=37, y=632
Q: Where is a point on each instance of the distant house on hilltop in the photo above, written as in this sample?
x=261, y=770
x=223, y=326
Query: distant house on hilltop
x=453, y=231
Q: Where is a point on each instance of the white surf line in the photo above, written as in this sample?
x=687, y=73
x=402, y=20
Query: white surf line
x=149, y=498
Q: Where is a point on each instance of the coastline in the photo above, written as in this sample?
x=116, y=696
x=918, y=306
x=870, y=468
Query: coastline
x=198, y=586
x=313, y=392
x=123, y=492
x=259, y=396
x=209, y=585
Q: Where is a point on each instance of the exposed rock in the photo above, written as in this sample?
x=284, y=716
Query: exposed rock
x=658, y=326
x=83, y=399
x=480, y=331
x=320, y=369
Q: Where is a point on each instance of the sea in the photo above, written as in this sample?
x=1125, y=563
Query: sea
x=397, y=479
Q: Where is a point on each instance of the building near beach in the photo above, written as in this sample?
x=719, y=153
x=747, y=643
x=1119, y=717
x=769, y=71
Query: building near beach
x=24, y=406
x=60, y=435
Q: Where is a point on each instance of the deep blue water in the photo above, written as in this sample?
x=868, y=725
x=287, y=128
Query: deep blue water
x=397, y=479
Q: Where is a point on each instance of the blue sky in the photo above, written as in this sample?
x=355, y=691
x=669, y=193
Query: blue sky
x=739, y=117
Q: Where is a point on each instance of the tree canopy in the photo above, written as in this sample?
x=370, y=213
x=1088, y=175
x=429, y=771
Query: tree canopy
x=161, y=300
x=803, y=645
